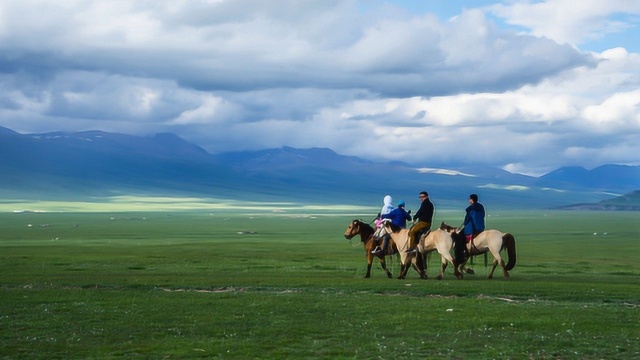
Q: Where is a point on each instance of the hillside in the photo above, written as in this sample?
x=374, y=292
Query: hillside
x=626, y=202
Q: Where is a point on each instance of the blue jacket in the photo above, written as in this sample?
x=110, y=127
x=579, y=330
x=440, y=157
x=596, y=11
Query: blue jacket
x=474, y=219
x=399, y=217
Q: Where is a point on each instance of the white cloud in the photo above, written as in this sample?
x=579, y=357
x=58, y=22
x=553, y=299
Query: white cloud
x=211, y=110
x=568, y=21
x=620, y=112
x=443, y=172
x=366, y=79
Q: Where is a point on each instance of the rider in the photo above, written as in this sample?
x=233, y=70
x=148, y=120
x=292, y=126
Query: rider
x=474, y=219
x=387, y=208
x=399, y=217
x=424, y=215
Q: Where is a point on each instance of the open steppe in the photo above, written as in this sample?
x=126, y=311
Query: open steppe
x=282, y=282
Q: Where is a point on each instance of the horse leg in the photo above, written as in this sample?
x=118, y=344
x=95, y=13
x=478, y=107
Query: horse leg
x=418, y=265
x=450, y=259
x=383, y=264
x=369, y=262
x=404, y=269
x=443, y=266
x=417, y=268
x=497, y=260
x=504, y=268
x=464, y=269
x=401, y=271
x=424, y=267
x=459, y=270
x=493, y=268
x=469, y=271
x=445, y=258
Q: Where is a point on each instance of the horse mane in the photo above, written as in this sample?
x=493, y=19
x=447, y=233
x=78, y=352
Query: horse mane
x=364, y=224
x=447, y=227
x=366, y=230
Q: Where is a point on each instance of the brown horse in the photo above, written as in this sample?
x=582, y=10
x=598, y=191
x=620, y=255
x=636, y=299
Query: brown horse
x=365, y=231
x=492, y=241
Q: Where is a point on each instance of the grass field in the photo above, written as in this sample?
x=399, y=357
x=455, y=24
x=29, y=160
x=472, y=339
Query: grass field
x=276, y=285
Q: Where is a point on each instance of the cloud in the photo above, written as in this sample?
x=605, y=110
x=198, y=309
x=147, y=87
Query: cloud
x=620, y=112
x=372, y=79
x=568, y=22
x=266, y=48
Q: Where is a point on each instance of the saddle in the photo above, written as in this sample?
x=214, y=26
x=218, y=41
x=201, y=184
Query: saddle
x=471, y=247
x=423, y=233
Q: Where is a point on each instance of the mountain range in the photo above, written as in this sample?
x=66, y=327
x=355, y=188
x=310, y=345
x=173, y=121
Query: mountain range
x=63, y=165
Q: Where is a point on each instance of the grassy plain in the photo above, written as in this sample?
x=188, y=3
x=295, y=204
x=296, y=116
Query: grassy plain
x=261, y=284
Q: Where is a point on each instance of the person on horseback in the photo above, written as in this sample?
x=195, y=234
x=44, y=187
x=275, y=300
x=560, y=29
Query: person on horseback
x=399, y=217
x=387, y=208
x=424, y=215
x=473, y=219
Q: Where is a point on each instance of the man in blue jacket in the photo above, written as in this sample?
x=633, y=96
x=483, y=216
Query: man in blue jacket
x=473, y=219
x=399, y=217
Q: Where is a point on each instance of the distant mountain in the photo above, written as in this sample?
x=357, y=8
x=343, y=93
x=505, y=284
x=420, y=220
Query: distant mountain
x=605, y=177
x=626, y=202
x=4, y=130
x=95, y=163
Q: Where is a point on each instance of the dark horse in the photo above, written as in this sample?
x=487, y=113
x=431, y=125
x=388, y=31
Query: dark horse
x=366, y=237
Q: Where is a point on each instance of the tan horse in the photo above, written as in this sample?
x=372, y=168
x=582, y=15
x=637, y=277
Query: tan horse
x=492, y=241
x=400, y=237
x=438, y=239
x=365, y=231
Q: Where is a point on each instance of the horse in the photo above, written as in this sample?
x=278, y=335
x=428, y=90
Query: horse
x=357, y=227
x=492, y=241
x=438, y=239
x=442, y=241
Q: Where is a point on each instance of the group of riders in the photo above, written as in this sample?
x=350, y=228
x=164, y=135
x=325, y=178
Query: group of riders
x=473, y=221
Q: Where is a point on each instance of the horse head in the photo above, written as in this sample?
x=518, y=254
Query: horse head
x=457, y=236
x=446, y=227
x=353, y=229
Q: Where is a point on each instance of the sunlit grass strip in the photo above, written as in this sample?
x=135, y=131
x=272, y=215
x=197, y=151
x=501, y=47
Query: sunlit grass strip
x=151, y=203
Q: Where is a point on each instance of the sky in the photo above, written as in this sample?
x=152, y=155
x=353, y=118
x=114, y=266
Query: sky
x=526, y=86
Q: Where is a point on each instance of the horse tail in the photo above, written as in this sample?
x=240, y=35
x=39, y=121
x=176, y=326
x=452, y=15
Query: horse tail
x=509, y=242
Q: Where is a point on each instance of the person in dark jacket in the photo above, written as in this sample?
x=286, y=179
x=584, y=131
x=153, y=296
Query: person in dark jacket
x=399, y=217
x=424, y=215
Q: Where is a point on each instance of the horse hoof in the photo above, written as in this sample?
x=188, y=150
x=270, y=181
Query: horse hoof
x=470, y=271
x=439, y=277
x=389, y=275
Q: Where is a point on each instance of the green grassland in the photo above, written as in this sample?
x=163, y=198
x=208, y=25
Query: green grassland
x=261, y=284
